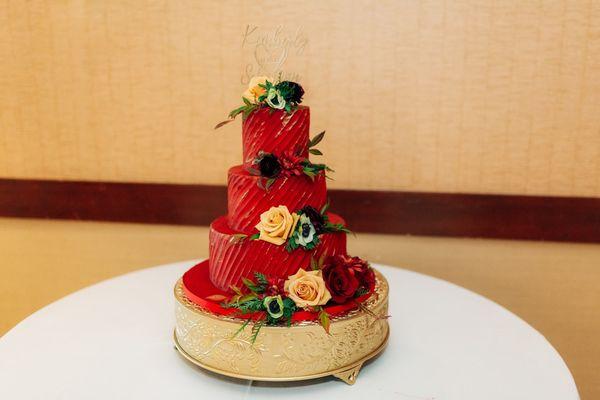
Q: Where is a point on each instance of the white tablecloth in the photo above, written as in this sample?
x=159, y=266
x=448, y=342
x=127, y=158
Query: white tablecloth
x=113, y=340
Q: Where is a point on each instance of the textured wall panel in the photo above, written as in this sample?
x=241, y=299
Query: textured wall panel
x=455, y=96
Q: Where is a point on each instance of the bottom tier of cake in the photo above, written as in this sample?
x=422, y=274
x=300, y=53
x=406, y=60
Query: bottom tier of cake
x=280, y=353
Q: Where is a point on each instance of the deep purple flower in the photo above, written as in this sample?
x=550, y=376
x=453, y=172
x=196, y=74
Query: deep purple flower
x=315, y=217
x=269, y=166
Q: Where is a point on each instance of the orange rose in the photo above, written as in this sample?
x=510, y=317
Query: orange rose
x=276, y=225
x=307, y=289
x=254, y=90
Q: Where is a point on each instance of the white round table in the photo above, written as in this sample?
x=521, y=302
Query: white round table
x=113, y=340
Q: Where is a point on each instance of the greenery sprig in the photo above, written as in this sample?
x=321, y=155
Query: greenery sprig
x=275, y=310
x=283, y=95
x=312, y=170
x=330, y=227
x=268, y=167
x=245, y=110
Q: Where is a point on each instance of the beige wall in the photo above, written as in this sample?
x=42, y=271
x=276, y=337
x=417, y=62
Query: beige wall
x=492, y=96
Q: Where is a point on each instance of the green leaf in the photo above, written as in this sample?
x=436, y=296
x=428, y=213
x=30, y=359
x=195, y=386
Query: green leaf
x=251, y=285
x=325, y=207
x=292, y=244
x=289, y=303
x=315, y=152
x=248, y=109
x=240, y=300
x=253, y=171
x=255, y=236
x=313, y=264
x=247, y=282
x=310, y=174
x=322, y=260
x=269, y=183
x=235, y=290
x=329, y=227
x=324, y=319
x=235, y=112
x=246, y=101
x=238, y=237
x=314, y=141
x=289, y=307
x=312, y=245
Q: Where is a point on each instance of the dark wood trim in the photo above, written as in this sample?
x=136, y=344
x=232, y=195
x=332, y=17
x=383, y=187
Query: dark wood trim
x=152, y=203
x=431, y=214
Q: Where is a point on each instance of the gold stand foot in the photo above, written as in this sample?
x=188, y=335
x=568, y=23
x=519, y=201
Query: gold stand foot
x=349, y=376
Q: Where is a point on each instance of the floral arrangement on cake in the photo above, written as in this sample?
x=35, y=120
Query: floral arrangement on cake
x=300, y=229
x=263, y=92
x=270, y=166
x=337, y=280
x=279, y=259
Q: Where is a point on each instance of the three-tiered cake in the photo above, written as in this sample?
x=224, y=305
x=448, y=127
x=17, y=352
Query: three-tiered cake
x=279, y=298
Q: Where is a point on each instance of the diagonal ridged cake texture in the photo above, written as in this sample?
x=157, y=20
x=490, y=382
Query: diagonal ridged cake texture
x=275, y=132
x=231, y=260
x=246, y=200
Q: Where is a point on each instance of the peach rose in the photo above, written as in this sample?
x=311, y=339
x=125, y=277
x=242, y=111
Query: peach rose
x=254, y=91
x=276, y=225
x=307, y=288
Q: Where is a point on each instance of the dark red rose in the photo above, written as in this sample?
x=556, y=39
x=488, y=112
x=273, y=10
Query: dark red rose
x=340, y=280
x=347, y=277
x=362, y=270
x=291, y=164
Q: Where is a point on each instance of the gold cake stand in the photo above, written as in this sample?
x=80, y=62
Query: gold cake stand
x=300, y=352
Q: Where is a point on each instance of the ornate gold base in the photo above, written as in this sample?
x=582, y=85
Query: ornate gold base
x=348, y=373
x=300, y=352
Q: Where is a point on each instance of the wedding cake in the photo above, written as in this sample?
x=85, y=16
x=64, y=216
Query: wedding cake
x=280, y=299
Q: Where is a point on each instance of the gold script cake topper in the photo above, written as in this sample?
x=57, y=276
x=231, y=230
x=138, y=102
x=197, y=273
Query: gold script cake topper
x=269, y=50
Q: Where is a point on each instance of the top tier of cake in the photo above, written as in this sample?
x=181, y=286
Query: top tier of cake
x=275, y=131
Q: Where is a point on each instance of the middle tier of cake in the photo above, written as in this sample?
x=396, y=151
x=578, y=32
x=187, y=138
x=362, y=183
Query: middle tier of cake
x=232, y=259
x=246, y=200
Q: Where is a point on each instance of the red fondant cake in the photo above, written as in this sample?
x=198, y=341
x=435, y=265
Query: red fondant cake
x=278, y=259
x=279, y=246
